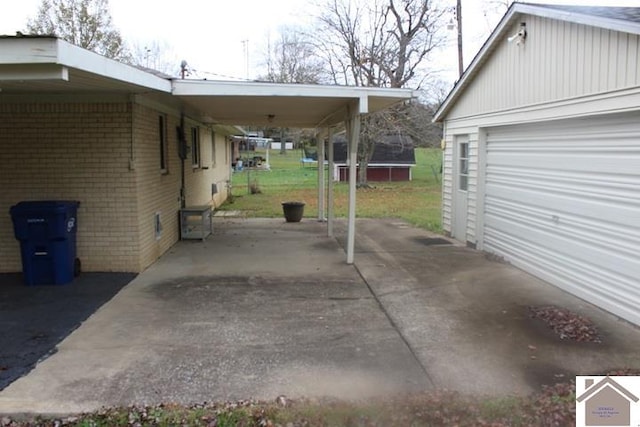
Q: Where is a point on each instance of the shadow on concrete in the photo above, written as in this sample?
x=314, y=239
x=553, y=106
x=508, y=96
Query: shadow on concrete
x=34, y=319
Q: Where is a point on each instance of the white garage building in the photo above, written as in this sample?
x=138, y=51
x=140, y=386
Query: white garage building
x=542, y=150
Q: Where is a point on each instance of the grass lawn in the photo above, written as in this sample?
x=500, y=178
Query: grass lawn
x=417, y=201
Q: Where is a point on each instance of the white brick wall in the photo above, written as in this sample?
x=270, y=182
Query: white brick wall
x=71, y=152
x=107, y=156
x=157, y=191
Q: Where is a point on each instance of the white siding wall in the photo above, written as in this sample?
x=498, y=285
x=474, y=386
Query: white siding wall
x=447, y=181
x=558, y=60
x=563, y=70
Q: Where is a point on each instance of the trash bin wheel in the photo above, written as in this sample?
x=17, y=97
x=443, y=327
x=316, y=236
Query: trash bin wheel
x=77, y=267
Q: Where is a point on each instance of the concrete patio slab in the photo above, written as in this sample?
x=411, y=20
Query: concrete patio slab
x=466, y=316
x=265, y=308
x=261, y=308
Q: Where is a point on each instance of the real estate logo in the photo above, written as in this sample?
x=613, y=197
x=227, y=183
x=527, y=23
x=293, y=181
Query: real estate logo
x=608, y=401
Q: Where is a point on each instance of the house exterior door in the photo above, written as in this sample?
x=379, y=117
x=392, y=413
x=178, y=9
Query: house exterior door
x=461, y=186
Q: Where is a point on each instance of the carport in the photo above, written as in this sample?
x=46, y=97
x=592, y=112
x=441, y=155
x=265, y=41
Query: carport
x=304, y=106
x=86, y=103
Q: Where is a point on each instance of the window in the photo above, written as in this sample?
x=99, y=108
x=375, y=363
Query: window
x=213, y=149
x=195, y=147
x=157, y=225
x=162, y=138
x=463, y=158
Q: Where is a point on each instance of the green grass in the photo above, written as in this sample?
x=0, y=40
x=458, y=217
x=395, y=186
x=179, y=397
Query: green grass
x=418, y=201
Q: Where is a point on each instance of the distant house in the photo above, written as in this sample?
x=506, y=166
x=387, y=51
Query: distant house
x=542, y=150
x=392, y=160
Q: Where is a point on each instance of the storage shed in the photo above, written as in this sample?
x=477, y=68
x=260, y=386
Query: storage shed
x=392, y=160
x=542, y=150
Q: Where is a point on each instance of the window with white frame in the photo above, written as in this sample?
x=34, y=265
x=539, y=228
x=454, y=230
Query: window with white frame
x=463, y=172
x=195, y=147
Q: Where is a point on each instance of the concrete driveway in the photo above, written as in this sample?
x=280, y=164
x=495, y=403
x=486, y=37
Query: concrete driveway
x=265, y=308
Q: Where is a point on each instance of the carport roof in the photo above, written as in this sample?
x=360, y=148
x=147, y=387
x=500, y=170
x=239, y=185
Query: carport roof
x=47, y=65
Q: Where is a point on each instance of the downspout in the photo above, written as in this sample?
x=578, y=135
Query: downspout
x=182, y=144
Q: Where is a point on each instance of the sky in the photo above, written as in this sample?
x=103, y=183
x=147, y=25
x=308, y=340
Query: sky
x=226, y=39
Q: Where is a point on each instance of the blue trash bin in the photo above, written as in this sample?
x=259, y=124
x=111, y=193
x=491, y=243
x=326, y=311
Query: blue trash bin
x=47, y=234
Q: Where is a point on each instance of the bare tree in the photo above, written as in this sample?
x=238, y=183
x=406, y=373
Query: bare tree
x=84, y=23
x=292, y=59
x=155, y=55
x=493, y=9
x=380, y=43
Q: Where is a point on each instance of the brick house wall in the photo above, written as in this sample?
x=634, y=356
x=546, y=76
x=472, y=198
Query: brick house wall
x=71, y=151
x=107, y=156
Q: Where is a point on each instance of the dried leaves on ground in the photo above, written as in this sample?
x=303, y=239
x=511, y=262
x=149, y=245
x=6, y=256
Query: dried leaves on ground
x=553, y=406
x=566, y=324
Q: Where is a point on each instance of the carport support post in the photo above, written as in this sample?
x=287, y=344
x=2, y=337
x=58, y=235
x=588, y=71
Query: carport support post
x=321, y=182
x=353, y=136
x=330, y=184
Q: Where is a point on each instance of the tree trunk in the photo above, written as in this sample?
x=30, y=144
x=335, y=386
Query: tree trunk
x=365, y=153
x=283, y=149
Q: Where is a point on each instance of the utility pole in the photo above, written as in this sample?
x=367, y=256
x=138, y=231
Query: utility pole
x=459, y=20
x=245, y=46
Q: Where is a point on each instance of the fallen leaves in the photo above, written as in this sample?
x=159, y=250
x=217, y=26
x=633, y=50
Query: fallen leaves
x=566, y=324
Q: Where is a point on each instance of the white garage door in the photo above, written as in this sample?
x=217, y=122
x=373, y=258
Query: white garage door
x=562, y=201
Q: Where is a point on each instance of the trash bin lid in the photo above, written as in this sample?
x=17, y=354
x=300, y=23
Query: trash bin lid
x=31, y=206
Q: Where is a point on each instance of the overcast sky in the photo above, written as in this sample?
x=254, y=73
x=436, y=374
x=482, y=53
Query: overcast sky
x=209, y=34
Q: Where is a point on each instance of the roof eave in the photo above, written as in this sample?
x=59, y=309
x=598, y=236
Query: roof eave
x=58, y=55
x=85, y=60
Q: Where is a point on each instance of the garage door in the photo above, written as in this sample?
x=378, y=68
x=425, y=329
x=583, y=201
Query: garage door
x=562, y=201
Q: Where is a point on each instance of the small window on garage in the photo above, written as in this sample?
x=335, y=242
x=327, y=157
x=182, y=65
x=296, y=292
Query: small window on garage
x=195, y=147
x=463, y=158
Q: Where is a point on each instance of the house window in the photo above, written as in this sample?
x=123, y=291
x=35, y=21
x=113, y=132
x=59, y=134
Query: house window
x=162, y=138
x=213, y=149
x=195, y=147
x=463, y=158
x=157, y=225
